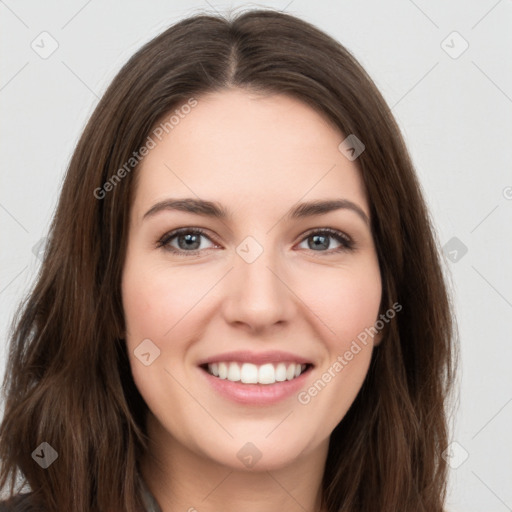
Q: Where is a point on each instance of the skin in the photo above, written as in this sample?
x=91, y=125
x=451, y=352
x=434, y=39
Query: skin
x=258, y=156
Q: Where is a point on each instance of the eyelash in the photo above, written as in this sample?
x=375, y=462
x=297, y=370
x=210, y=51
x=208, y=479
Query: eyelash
x=347, y=244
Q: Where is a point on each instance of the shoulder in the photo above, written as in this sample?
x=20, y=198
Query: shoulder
x=18, y=503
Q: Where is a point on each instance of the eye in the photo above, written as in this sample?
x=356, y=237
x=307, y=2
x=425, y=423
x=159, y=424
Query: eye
x=189, y=241
x=320, y=240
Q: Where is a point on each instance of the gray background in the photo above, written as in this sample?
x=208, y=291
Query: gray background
x=454, y=108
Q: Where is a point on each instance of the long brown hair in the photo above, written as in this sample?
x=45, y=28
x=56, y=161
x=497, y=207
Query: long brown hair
x=68, y=381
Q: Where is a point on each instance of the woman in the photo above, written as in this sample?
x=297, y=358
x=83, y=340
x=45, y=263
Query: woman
x=258, y=370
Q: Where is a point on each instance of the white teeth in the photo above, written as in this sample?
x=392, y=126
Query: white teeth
x=233, y=372
x=266, y=374
x=223, y=370
x=281, y=372
x=249, y=373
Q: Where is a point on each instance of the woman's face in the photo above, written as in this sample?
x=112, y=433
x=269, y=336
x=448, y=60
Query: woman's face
x=261, y=294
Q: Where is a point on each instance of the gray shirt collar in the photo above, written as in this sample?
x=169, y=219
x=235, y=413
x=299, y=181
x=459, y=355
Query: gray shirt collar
x=150, y=503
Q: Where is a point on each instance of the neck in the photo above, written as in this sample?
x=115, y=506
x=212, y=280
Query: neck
x=182, y=480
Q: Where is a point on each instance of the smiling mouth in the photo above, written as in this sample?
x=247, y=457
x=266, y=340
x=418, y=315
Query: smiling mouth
x=248, y=373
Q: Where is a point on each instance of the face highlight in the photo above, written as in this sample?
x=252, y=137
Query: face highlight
x=255, y=297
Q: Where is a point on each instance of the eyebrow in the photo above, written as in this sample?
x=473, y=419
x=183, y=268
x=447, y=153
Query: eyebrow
x=216, y=210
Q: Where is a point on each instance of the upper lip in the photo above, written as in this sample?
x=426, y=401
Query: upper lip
x=244, y=356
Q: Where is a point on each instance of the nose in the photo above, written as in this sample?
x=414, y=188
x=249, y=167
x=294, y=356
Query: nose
x=257, y=293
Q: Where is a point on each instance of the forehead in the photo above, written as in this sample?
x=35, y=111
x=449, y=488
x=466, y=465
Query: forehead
x=240, y=149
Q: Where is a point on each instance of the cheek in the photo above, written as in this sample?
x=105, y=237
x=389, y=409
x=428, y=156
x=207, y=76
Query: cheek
x=346, y=300
x=153, y=304
x=154, y=301
x=161, y=305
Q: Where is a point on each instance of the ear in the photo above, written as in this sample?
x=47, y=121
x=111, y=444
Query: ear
x=121, y=332
x=378, y=338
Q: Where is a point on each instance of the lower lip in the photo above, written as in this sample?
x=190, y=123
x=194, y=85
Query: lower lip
x=257, y=394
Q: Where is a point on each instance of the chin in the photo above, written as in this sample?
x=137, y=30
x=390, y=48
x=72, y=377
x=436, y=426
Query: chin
x=257, y=453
